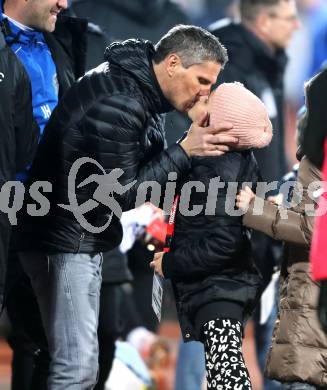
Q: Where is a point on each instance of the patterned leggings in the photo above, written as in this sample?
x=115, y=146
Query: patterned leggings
x=225, y=365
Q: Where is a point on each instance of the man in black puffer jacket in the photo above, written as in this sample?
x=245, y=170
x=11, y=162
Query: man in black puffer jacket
x=111, y=118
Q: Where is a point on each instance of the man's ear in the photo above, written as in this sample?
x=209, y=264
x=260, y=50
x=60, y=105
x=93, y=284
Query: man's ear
x=263, y=23
x=173, y=62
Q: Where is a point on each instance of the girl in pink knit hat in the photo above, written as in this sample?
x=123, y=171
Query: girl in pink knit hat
x=208, y=257
x=233, y=103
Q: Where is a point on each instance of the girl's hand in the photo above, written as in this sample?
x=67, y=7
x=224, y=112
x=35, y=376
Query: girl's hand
x=244, y=198
x=156, y=263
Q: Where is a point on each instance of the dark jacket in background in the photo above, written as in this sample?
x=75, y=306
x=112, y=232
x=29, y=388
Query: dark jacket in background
x=68, y=49
x=115, y=268
x=27, y=339
x=112, y=115
x=68, y=44
x=123, y=19
x=18, y=134
x=210, y=261
x=253, y=64
x=315, y=124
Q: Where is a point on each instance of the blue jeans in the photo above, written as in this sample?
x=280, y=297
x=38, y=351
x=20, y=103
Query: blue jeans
x=190, y=370
x=297, y=386
x=67, y=287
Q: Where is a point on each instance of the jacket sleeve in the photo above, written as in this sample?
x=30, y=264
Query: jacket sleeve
x=26, y=128
x=124, y=124
x=293, y=225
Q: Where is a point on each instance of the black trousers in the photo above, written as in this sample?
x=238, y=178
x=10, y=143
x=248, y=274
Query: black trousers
x=109, y=329
x=27, y=339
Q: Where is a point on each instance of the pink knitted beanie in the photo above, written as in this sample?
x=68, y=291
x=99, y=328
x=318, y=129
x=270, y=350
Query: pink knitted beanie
x=232, y=102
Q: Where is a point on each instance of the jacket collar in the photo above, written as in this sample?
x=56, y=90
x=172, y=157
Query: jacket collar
x=16, y=33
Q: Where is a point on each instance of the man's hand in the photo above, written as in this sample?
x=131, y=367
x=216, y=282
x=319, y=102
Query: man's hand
x=156, y=263
x=244, y=198
x=203, y=140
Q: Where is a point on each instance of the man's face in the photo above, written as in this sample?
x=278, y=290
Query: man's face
x=42, y=14
x=282, y=21
x=187, y=85
x=200, y=109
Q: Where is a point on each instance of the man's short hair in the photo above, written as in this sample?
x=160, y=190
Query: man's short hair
x=250, y=9
x=194, y=45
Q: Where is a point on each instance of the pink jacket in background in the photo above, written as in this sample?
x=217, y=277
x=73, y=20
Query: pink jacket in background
x=319, y=239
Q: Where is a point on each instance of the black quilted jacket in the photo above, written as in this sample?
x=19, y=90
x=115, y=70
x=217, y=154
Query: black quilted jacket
x=210, y=258
x=112, y=115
